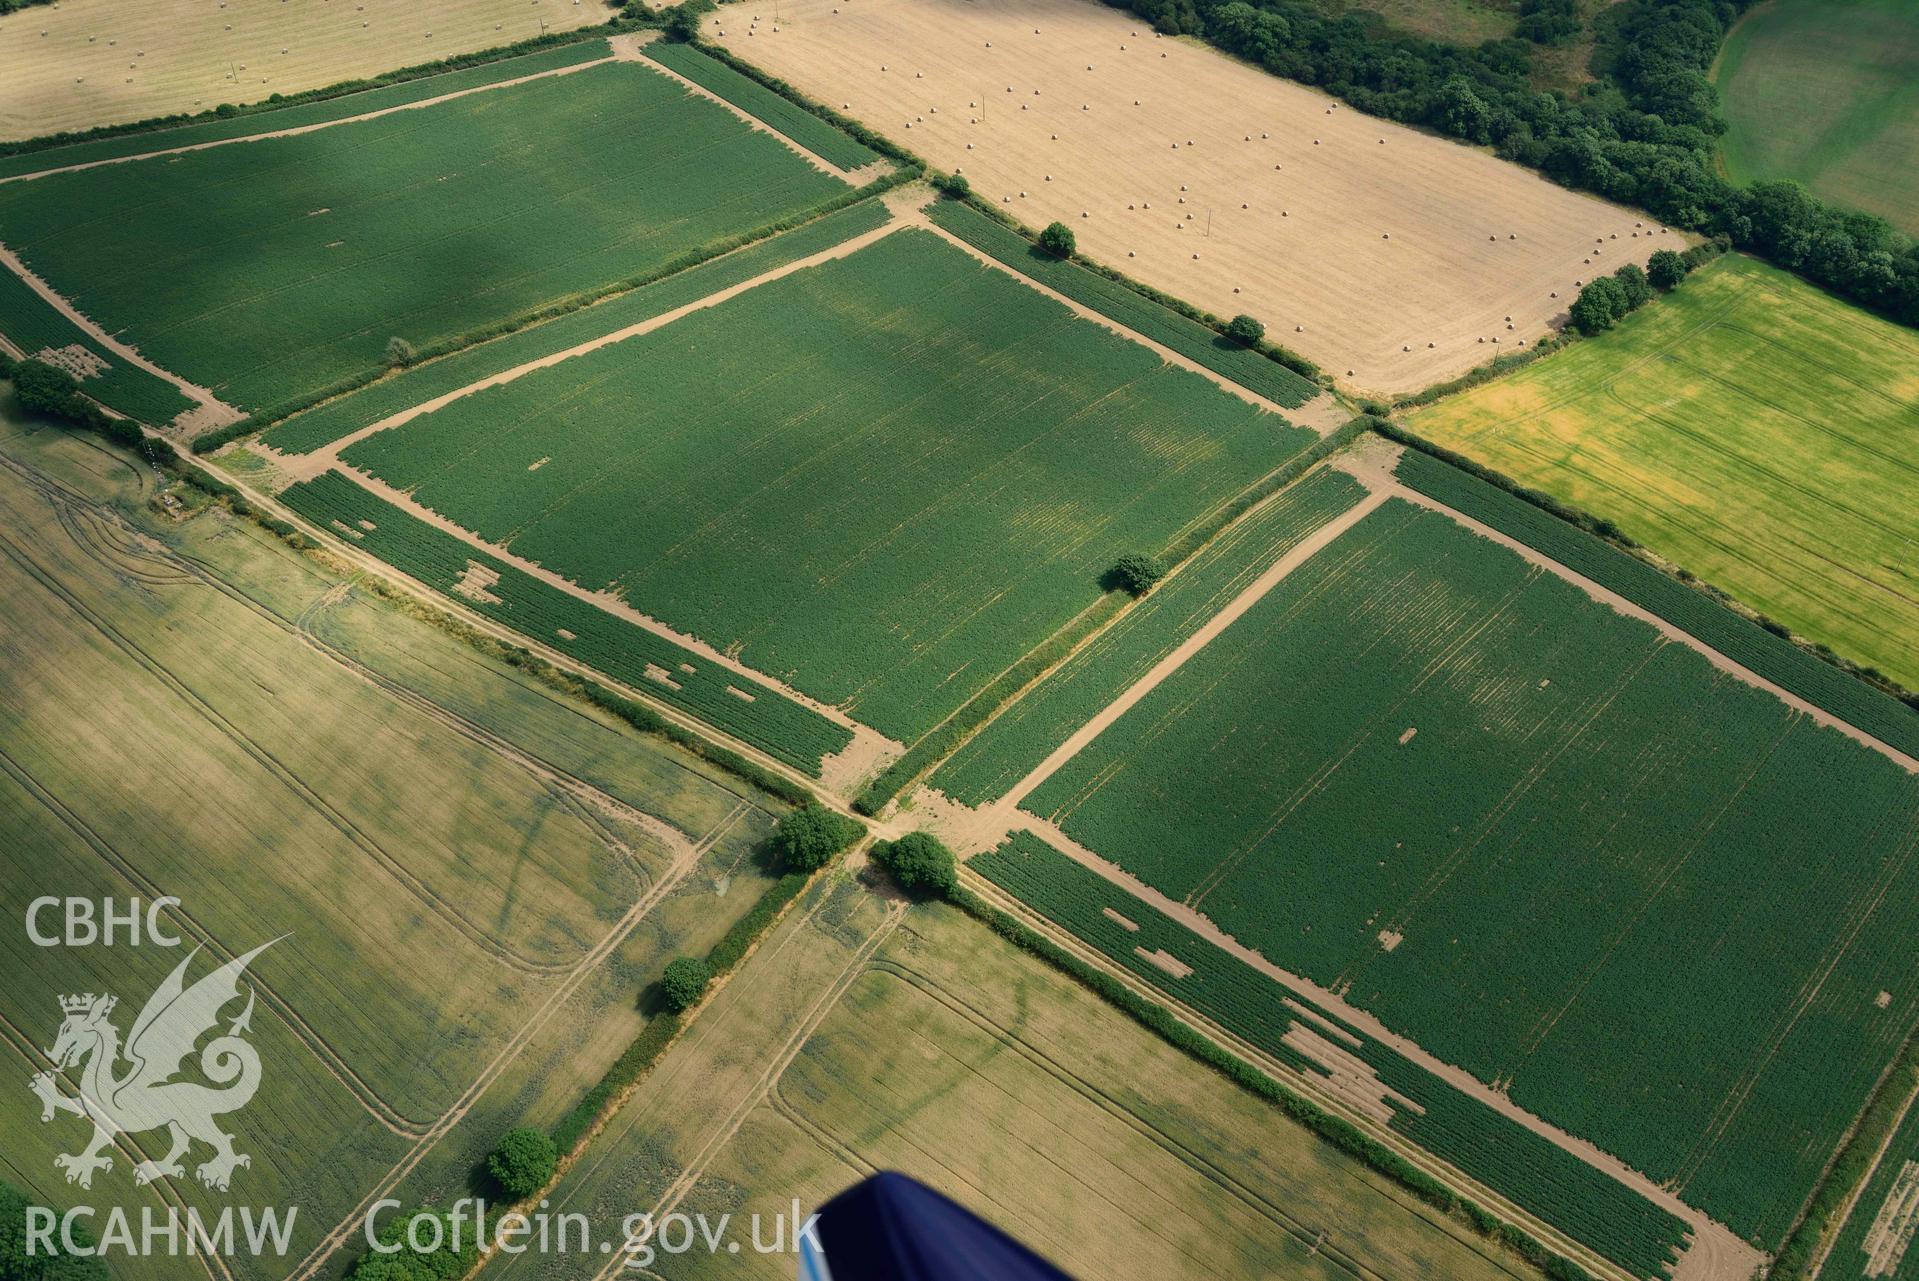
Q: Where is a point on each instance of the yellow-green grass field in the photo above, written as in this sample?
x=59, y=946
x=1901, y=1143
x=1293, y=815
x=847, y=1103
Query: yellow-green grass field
x=1827, y=92
x=83, y=63
x=436, y=839
x=1748, y=427
x=927, y=1044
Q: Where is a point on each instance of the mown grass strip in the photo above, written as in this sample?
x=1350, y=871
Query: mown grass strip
x=625, y=651
x=1126, y=306
x=31, y=324
x=344, y=415
x=760, y=102
x=1520, y=1165
x=322, y=110
x=1774, y=657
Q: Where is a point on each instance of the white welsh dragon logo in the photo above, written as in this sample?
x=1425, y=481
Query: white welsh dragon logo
x=146, y=1096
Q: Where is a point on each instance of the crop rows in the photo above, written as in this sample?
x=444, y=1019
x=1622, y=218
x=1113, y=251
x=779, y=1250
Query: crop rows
x=1020, y=737
x=266, y=271
x=629, y=653
x=882, y=480
x=1745, y=642
x=1420, y=755
x=306, y=114
x=1127, y=307
x=1498, y=1152
x=31, y=325
x=347, y=414
x=760, y=102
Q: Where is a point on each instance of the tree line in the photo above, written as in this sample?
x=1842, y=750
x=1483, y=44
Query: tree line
x=1644, y=134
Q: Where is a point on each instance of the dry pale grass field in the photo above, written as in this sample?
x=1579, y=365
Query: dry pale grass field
x=1401, y=260
x=80, y=63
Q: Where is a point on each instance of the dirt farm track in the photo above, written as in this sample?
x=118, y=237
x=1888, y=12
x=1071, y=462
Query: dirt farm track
x=1401, y=260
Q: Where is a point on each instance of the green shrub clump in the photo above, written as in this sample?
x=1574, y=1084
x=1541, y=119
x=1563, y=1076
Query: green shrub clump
x=813, y=834
x=1135, y=573
x=523, y=1162
x=1058, y=241
x=684, y=982
x=1245, y=330
x=922, y=865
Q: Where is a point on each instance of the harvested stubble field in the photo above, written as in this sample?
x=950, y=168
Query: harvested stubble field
x=1419, y=756
x=442, y=843
x=881, y=479
x=93, y=62
x=1756, y=431
x=271, y=269
x=1371, y=246
x=934, y=1047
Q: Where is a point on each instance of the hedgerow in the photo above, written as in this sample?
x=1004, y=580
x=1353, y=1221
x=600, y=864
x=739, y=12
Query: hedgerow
x=1022, y=736
x=638, y=657
x=754, y=98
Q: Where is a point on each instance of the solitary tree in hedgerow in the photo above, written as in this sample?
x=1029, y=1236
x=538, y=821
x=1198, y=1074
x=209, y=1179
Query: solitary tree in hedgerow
x=684, y=981
x=523, y=1162
x=1632, y=279
x=1665, y=269
x=399, y=352
x=1599, y=305
x=812, y=834
x=923, y=866
x=1245, y=330
x=1057, y=240
x=1135, y=573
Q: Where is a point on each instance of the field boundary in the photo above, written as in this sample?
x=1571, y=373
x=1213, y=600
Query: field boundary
x=18, y=149
x=1322, y=1113
x=1801, y=679
x=297, y=130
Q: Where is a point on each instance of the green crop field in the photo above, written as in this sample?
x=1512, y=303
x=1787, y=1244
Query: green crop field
x=1757, y=432
x=943, y=1052
x=1823, y=91
x=1520, y=1165
x=344, y=415
x=1502, y=817
x=1016, y=741
x=191, y=709
x=272, y=269
x=1124, y=305
x=747, y=709
x=881, y=479
x=30, y=323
